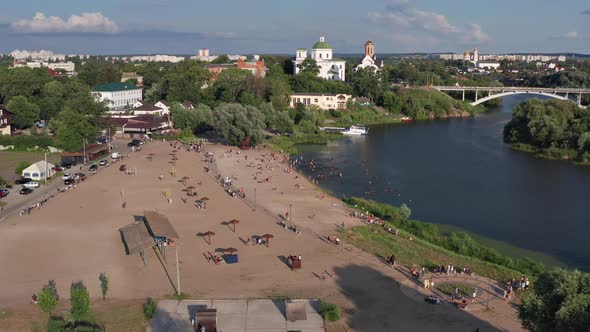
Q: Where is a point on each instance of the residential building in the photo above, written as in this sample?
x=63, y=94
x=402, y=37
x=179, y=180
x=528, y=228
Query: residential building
x=39, y=171
x=322, y=100
x=330, y=68
x=370, y=59
x=157, y=58
x=257, y=68
x=204, y=55
x=488, y=65
x=161, y=108
x=118, y=95
x=88, y=153
x=69, y=67
x=132, y=76
x=5, y=128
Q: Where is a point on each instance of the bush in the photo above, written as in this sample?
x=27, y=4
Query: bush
x=24, y=143
x=80, y=300
x=329, y=311
x=20, y=167
x=56, y=325
x=149, y=308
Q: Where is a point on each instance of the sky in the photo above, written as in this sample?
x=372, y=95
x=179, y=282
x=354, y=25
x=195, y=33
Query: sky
x=280, y=26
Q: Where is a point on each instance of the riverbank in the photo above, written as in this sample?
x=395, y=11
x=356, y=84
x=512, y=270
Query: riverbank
x=552, y=153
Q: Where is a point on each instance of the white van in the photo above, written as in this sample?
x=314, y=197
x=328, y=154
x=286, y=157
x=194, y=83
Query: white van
x=115, y=155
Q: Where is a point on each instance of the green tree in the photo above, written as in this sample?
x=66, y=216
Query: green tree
x=367, y=83
x=24, y=113
x=47, y=300
x=2, y=182
x=22, y=82
x=405, y=212
x=71, y=128
x=21, y=166
x=104, y=284
x=229, y=84
x=237, y=122
x=221, y=59
x=79, y=300
x=309, y=66
x=559, y=301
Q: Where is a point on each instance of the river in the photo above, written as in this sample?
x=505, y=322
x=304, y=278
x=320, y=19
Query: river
x=459, y=172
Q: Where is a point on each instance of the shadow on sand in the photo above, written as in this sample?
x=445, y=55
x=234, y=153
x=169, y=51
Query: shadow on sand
x=381, y=304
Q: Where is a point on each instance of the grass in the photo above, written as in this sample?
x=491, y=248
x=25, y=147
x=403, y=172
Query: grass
x=9, y=160
x=288, y=143
x=376, y=240
x=449, y=289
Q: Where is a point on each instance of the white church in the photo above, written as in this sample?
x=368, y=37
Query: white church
x=370, y=59
x=330, y=68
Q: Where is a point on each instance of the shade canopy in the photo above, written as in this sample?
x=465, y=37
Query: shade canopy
x=231, y=251
x=159, y=225
x=204, y=198
x=136, y=238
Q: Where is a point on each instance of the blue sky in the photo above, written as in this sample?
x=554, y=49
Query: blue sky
x=279, y=26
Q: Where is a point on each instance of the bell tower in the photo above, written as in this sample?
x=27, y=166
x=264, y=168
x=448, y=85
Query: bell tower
x=370, y=49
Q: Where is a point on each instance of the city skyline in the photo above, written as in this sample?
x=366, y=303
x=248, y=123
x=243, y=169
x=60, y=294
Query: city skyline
x=264, y=26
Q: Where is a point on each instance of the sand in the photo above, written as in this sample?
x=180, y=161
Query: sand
x=75, y=237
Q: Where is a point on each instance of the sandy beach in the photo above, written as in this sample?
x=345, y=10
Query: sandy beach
x=75, y=237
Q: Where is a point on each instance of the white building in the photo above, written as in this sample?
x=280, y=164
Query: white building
x=117, y=95
x=38, y=170
x=330, y=68
x=488, y=65
x=370, y=59
x=157, y=58
x=69, y=67
x=37, y=55
x=204, y=55
x=323, y=101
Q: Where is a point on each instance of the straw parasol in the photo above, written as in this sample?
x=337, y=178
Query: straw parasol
x=267, y=237
x=174, y=158
x=190, y=187
x=204, y=198
x=151, y=154
x=234, y=222
x=185, y=178
x=208, y=234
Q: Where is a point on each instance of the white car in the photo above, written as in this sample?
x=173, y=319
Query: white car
x=66, y=176
x=32, y=184
x=115, y=155
x=103, y=162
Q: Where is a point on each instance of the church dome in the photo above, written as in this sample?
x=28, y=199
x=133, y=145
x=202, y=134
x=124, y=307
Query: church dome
x=322, y=45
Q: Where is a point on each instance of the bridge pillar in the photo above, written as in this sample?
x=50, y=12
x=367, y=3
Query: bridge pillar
x=476, y=95
x=463, y=95
x=579, y=99
x=489, y=93
x=567, y=95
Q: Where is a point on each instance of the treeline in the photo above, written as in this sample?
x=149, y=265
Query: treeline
x=458, y=242
x=554, y=128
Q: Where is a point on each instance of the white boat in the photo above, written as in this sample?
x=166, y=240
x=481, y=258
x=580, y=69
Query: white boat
x=355, y=130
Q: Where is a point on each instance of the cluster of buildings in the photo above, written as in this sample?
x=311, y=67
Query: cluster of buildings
x=475, y=57
x=55, y=68
x=257, y=68
x=43, y=55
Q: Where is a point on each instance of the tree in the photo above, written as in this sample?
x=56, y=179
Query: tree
x=24, y=113
x=405, y=212
x=367, y=83
x=21, y=166
x=230, y=83
x=71, y=128
x=79, y=300
x=309, y=66
x=104, y=284
x=47, y=300
x=560, y=301
x=221, y=59
x=2, y=182
x=237, y=122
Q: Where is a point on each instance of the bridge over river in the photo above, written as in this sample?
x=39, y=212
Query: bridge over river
x=485, y=93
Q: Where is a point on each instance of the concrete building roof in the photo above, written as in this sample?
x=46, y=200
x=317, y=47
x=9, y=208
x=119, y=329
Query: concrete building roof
x=116, y=86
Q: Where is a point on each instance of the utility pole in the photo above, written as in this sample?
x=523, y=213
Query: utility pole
x=290, y=214
x=177, y=272
x=46, y=167
x=84, y=149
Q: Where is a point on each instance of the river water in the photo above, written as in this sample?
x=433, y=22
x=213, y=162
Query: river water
x=459, y=172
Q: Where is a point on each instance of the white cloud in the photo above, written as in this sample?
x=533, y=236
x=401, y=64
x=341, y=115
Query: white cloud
x=85, y=22
x=402, y=15
x=570, y=35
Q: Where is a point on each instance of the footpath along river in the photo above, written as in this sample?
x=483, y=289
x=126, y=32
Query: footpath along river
x=459, y=172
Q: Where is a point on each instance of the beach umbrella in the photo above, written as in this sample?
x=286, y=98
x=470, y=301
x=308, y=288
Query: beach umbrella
x=204, y=198
x=151, y=154
x=267, y=237
x=174, y=150
x=208, y=234
x=190, y=187
x=174, y=158
x=234, y=222
x=231, y=251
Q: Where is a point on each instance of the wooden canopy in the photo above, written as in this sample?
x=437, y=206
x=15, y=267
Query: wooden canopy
x=136, y=238
x=159, y=225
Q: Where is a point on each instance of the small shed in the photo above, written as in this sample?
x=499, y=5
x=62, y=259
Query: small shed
x=136, y=239
x=38, y=170
x=159, y=226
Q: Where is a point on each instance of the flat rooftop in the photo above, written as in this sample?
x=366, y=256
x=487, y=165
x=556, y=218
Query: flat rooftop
x=236, y=316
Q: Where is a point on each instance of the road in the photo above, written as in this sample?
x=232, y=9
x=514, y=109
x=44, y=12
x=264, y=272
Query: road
x=16, y=202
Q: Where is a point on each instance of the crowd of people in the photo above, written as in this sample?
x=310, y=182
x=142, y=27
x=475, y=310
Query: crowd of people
x=35, y=206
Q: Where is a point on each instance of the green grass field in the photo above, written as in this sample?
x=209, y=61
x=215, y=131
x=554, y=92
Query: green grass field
x=9, y=160
x=376, y=240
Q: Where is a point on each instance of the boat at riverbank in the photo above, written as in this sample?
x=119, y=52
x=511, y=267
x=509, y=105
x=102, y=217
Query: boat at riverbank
x=356, y=130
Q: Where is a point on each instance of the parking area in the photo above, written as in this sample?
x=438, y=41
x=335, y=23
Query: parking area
x=237, y=316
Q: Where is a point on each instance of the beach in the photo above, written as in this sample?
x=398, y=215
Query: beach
x=75, y=237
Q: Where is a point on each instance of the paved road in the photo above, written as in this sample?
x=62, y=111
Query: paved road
x=16, y=202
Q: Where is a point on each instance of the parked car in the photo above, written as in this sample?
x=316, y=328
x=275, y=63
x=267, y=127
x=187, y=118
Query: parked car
x=58, y=169
x=115, y=155
x=67, y=182
x=32, y=184
x=103, y=162
x=25, y=191
x=23, y=180
x=133, y=144
x=93, y=168
x=4, y=192
x=66, y=176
